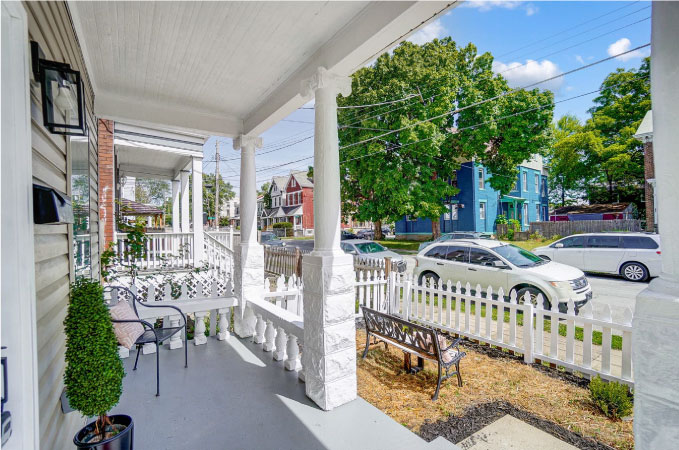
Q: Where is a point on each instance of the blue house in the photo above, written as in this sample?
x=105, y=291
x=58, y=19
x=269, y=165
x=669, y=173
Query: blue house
x=477, y=205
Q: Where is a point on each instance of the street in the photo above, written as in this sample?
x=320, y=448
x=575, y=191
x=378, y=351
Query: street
x=607, y=290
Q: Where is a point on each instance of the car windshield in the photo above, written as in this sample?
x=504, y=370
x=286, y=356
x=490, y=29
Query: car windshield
x=268, y=237
x=518, y=256
x=370, y=247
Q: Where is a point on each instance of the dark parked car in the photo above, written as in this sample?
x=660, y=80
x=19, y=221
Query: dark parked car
x=269, y=238
x=346, y=235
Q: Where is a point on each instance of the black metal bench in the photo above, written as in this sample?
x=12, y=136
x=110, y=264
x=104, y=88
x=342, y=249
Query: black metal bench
x=414, y=339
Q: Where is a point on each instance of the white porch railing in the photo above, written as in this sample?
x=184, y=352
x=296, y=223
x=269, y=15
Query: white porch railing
x=163, y=250
x=230, y=237
x=487, y=318
x=218, y=255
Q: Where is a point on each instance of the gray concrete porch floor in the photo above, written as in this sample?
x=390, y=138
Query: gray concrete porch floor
x=234, y=395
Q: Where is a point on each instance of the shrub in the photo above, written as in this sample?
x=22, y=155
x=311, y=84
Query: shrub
x=537, y=236
x=612, y=398
x=94, y=373
x=282, y=225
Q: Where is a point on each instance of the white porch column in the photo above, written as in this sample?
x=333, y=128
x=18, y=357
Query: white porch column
x=656, y=319
x=175, y=206
x=197, y=188
x=329, y=354
x=249, y=256
x=184, y=192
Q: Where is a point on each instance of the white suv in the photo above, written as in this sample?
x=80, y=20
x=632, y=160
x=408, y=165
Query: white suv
x=635, y=256
x=499, y=264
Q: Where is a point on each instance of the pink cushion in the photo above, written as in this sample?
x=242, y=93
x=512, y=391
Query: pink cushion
x=126, y=332
x=449, y=354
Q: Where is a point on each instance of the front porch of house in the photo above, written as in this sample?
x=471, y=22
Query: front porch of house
x=235, y=395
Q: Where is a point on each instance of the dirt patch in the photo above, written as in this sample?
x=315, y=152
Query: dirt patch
x=487, y=379
x=458, y=428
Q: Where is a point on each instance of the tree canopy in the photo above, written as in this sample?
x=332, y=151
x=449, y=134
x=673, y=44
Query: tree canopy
x=601, y=160
x=417, y=144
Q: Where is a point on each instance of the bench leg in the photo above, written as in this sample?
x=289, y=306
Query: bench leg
x=367, y=345
x=406, y=362
x=459, y=376
x=438, y=385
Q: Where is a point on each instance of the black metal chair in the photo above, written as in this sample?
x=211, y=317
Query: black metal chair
x=151, y=334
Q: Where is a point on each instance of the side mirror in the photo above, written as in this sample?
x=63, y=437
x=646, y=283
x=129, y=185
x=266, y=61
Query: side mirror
x=559, y=245
x=499, y=264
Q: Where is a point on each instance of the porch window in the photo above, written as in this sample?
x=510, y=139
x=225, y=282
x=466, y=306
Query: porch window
x=482, y=181
x=537, y=212
x=525, y=181
x=482, y=210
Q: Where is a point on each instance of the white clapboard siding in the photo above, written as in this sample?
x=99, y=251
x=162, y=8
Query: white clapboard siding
x=49, y=24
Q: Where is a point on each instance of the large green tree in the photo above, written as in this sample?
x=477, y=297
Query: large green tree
x=570, y=158
x=209, y=193
x=416, y=145
x=151, y=191
x=624, y=99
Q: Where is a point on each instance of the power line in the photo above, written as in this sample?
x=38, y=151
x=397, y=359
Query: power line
x=567, y=30
x=576, y=45
x=504, y=94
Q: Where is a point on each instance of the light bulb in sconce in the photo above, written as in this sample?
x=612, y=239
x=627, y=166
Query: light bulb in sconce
x=64, y=100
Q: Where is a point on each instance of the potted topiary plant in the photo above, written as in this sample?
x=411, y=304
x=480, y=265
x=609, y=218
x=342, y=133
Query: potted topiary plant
x=94, y=372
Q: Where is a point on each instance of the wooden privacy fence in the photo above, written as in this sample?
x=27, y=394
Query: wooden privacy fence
x=550, y=229
x=283, y=260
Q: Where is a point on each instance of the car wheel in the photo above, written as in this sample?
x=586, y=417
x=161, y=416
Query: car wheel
x=633, y=271
x=428, y=275
x=533, y=292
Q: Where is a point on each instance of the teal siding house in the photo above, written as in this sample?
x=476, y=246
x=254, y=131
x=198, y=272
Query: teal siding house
x=477, y=205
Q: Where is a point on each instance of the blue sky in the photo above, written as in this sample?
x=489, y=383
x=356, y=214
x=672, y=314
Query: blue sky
x=528, y=41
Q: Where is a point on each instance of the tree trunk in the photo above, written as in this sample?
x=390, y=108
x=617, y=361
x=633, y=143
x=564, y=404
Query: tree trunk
x=436, y=229
x=378, y=230
x=563, y=196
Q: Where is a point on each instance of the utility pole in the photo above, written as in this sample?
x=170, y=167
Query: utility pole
x=217, y=184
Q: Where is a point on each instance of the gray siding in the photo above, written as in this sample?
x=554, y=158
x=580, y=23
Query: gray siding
x=50, y=25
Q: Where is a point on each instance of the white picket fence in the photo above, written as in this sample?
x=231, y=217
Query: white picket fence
x=453, y=308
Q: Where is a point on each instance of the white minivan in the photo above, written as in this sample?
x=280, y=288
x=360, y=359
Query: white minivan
x=500, y=264
x=635, y=256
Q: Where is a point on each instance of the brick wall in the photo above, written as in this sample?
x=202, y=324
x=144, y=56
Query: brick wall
x=106, y=181
x=649, y=172
x=307, y=208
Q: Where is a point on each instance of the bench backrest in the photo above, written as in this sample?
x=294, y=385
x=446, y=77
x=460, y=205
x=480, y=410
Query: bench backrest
x=420, y=339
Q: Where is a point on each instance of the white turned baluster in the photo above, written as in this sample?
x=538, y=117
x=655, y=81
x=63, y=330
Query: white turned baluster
x=176, y=339
x=269, y=336
x=224, y=333
x=292, y=362
x=281, y=341
x=199, y=337
x=259, y=329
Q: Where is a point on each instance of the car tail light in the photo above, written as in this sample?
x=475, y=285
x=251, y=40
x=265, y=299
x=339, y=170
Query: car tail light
x=658, y=252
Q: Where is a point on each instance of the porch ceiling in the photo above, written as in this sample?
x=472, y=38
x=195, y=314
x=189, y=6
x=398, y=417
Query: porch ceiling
x=228, y=68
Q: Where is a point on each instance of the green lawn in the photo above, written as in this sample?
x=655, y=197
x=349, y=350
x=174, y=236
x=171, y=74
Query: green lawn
x=532, y=243
x=616, y=341
x=401, y=245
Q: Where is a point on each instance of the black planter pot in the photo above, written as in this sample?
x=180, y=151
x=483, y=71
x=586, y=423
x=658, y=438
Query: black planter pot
x=121, y=441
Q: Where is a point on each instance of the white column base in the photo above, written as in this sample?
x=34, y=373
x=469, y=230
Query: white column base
x=148, y=349
x=656, y=368
x=249, y=284
x=329, y=356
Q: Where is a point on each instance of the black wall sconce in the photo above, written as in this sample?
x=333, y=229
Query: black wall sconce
x=63, y=100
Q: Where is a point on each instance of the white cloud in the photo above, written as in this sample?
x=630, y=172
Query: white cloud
x=487, y=5
x=434, y=30
x=579, y=59
x=519, y=75
x=623, y=45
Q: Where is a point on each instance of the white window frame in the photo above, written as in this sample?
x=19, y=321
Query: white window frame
x=454, y=211
x=525, y=181
x=537, y=183
x=525, y=213
x=446, y=215
x=482, y=179
x=537, y=211
x=482, y=210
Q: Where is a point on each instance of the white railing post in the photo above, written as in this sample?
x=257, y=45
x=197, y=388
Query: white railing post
x=199, y=337
x=281, y=341
x=627, y=346
x=292, y=362
x=269, y=337
x=260, y=327
x=224, y=333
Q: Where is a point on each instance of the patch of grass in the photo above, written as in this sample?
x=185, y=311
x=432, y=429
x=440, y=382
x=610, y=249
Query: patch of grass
x=532, y=243
x=401, y=245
